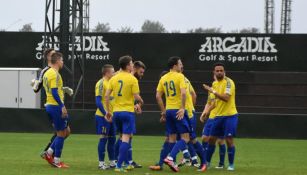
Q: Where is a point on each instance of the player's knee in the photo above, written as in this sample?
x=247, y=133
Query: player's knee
x=185, y=137
x=212, y=140
x=172, y=138
x=229, y=142
x=61, y=133
x=68, y=132
x=205, y=138
x=126, y=138
x=221, y=141
x=103, y=136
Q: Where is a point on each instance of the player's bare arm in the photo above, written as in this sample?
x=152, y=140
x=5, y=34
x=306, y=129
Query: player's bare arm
x=161, y=105
x=107, y=100
x=194, y=96
x=223, y=97
x=180, y=113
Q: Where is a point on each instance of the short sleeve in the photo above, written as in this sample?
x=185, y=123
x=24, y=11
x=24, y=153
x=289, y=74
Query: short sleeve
x=191, y=88
x=229, y=87
x=160, y=86
x=211, y=97
x=135, y=86
x=98, y=89
x=110, y=85
x=182, y=83
x=53, y=79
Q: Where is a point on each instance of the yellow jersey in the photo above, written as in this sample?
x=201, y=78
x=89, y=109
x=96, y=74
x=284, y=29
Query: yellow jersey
x=189, y=106
x=225, y=86
x=210, y=100
x=53, y=79
x=100, y=90
x=123, y=85
x=170, y=84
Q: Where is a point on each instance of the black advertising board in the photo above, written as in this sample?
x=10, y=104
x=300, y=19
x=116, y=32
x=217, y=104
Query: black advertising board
x=240, y=52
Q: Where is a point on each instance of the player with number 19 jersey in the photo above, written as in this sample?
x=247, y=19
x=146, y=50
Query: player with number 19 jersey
x=170, y=84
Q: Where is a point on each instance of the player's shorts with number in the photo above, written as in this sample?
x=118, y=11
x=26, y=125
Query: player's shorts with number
x=103, y=127
x=55, y=114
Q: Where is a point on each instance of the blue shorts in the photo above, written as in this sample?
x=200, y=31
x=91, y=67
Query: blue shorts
x=55, y=114
x=224, y=126
x=103, y=127
x=192, y=122
x=208, y=127
x=174, y=126
x=124, y=122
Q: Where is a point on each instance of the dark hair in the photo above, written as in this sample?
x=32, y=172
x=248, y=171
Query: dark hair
x=172, y=61
x=55, y=57
x=163, y=73
x=47, y=51
x=138, y=64
x=105, y=68
x=218, y=64
x=124, y=61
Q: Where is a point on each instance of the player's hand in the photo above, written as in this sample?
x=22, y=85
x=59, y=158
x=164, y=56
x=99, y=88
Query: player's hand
x=64, y=112
x=68, y=91
x=108, y=117
x=180, y=114
x=208, y=88
x=32, y=82
x=138, y=109
x=163, y=117
x=203, y=117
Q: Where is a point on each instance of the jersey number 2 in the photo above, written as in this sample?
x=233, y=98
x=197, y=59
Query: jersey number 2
x=120, y=88
x=170, y=87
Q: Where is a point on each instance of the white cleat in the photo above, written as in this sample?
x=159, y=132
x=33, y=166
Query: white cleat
x=219, y=167
x=231, y=168
x=103, y=166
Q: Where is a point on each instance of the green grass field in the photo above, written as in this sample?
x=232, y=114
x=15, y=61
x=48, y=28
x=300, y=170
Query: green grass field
x=20, y=155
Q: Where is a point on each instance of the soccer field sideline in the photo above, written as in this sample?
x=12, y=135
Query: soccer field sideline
x=20, y=155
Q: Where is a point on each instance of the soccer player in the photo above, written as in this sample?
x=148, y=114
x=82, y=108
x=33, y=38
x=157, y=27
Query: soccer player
x=208, y=115
x=174, y=87
x=194, y=146
x=53, y=85
x=38, y=84
x=104, y=129
x=225, y=122
x=138, y=71
x=125, y=90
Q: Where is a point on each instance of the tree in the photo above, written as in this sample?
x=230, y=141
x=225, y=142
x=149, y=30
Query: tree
x=152, y=27
x=205, y=30
x=26, y=28
x=102, y=28
x=250, y=30
x=175, y=31
x=125, y=29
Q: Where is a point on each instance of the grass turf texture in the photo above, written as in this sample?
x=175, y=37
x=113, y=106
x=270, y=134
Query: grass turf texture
x=20, y=155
